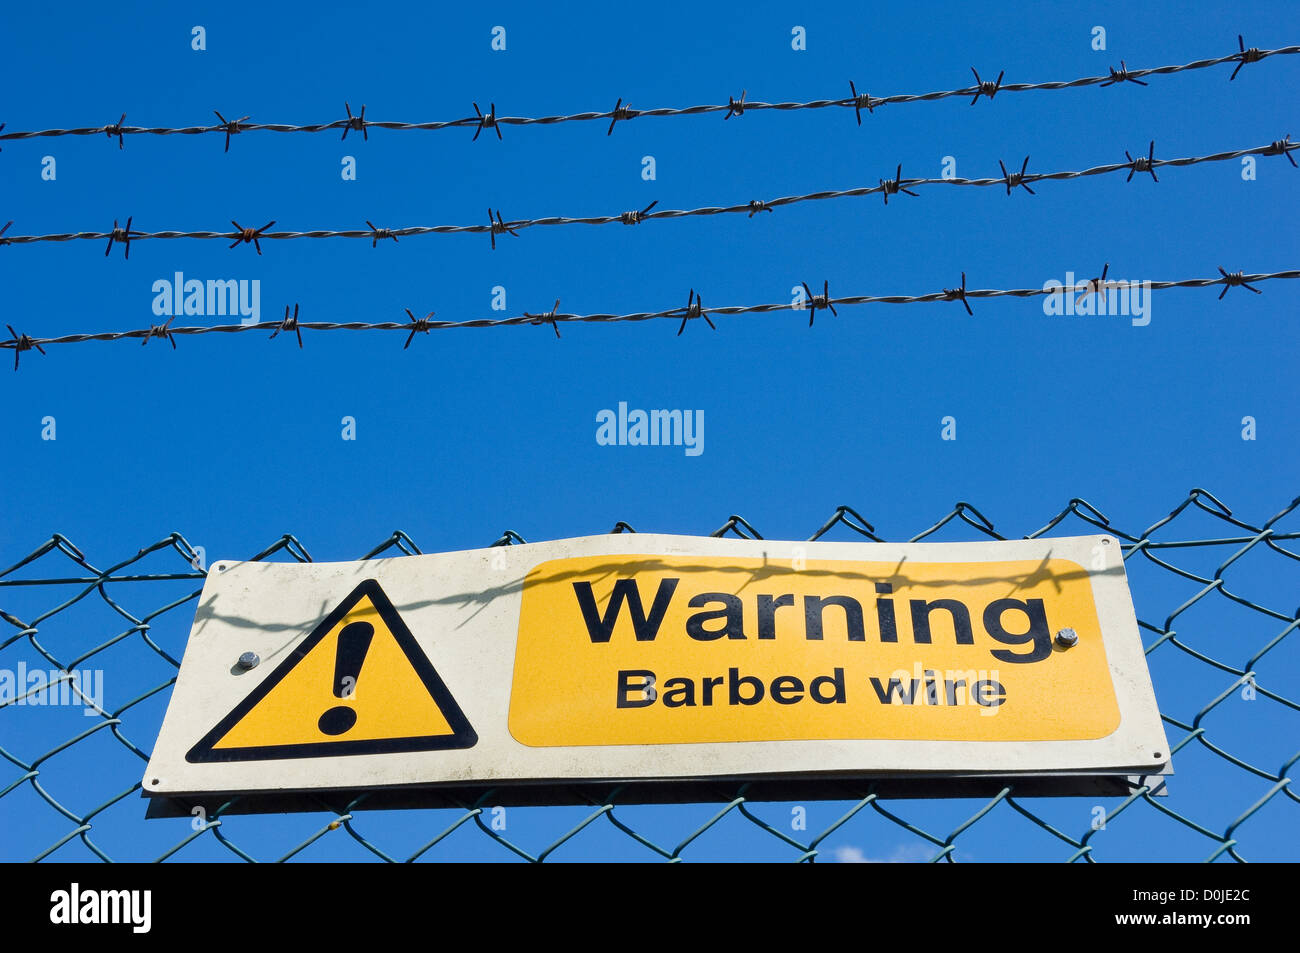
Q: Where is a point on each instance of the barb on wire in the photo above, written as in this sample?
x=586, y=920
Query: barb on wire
x=986, y=87
x=1097, y=285
x=488, y=121
x=1232, y=280
x=355, y=123
x=113, y=130
x=860, y=101
x=1251, y=55
x=634, y=217
x=735, y=107
x=732, y=108
x=245, y=235
x=815, y=302
x=161, y=331
x=20, y=343
x=1122, y=75
x=230, y=126
x=377, y=233
x=694, y=309
x=895, y=185
x=1147, y=164
x=822, y=300
x=619, y=112
x=417, y=326
x=959, y=294
x=120, y=235
x=497, y=225
x=549, y=317
x=3, y=240
x=289, y=324
x=1283, y=147
x=1012, y=179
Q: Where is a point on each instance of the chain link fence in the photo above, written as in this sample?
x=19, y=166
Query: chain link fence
x=86, y=672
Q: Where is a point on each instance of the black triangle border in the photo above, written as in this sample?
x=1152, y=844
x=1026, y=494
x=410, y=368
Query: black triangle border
x=462, y=736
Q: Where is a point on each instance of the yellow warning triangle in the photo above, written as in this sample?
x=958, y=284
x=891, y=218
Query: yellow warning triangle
x=358, y=684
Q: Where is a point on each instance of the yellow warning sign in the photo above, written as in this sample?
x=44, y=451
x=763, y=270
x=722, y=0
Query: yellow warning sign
x=621, y=650
x=358, y=684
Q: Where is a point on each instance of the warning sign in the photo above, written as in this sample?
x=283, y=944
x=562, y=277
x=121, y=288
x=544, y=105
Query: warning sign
x=359, y=684
x=545, y=672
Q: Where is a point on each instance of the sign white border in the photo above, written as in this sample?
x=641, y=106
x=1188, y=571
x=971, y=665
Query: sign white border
x=463, y=608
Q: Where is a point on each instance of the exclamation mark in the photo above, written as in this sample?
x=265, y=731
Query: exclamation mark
x=354, y=642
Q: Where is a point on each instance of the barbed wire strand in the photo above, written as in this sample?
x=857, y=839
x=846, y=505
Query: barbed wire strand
x=498, y=226
x=694, y=309
x=625, y=113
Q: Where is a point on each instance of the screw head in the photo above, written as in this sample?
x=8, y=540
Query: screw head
x=1067, y=638
x=249, y=660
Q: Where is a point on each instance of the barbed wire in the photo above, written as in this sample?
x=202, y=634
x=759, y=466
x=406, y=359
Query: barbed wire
x=694, y=308
x=1220, y=820
x=621, y=112
x=497, y=225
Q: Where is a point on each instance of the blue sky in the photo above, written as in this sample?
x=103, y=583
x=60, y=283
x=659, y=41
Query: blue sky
x=233, y=440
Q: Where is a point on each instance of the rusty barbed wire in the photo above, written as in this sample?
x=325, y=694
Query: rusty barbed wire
x=1240, y=788
x=497, y=225
x=694, y=308
x=625, y=113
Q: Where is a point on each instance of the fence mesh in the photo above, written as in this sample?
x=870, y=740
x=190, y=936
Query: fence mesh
x=1211, y=592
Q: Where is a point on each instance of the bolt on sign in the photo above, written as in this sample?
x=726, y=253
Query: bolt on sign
x=660, y=664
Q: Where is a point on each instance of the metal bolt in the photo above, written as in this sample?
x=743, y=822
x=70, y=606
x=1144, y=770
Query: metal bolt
x=249, y=660
x=1067, y=638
